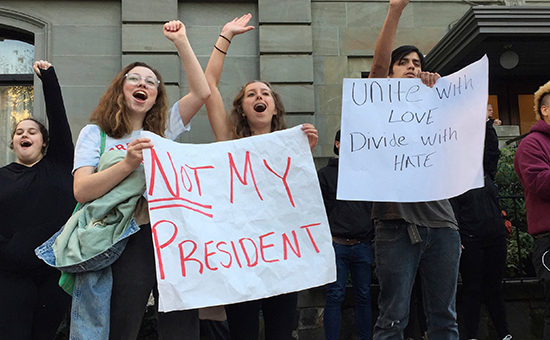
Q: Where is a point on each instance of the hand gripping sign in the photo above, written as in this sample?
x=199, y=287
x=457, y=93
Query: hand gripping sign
x=236, y=221
x=402, y=141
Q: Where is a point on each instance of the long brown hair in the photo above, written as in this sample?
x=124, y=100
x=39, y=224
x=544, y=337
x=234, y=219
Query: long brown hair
x=112, y=114
x=239, y=124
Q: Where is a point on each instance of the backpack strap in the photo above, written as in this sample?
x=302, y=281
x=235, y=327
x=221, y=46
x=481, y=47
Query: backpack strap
x=66, y=280
x=103, y=139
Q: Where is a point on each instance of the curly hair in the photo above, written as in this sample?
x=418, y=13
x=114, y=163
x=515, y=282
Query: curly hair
x=542, y=98
x=112, y=115
x=43, y=131
x=239, y=124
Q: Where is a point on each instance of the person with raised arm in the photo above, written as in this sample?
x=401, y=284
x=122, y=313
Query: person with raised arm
x=135, y=101
x=532, y=164
x=412, y=237
x=257, y=109
x=35, y=200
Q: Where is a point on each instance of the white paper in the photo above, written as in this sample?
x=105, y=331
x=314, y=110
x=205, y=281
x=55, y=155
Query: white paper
x=200, y=225
x=402, y=141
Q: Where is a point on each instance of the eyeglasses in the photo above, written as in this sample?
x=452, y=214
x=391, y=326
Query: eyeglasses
x=135, y=79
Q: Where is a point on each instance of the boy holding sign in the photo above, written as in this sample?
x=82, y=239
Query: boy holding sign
x=413, y=237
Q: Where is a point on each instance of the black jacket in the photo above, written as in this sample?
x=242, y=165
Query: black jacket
x=478, y=210
x=347, y=219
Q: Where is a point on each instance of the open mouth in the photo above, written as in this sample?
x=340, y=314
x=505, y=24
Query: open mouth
x=141, y=95
x=26, y=144
x=260, y=107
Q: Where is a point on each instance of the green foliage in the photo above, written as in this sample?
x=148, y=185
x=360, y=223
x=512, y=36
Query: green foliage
x=507, y=180
x=513, y=203
x=516, y=261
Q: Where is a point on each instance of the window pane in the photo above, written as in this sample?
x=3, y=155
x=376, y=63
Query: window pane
x=16, y=103
x=16, y=57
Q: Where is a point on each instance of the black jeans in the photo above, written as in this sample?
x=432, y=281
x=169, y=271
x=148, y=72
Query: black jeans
x=279, y=314
x=541, y=261
x=134, y=278
x=31, y=307
x=482, y=266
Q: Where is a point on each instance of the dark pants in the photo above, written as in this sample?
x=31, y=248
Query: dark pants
x=278, y=312
x=541, y=261
x=482, y=266
x=416, y=312
x=134, y=278
x=31, y=308
x=215, y=330
x=358, y=259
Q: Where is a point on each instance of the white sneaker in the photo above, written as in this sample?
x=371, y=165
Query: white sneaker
x=508, y=337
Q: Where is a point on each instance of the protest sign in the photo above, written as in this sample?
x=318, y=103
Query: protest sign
x=402, y=141
x=237, y=220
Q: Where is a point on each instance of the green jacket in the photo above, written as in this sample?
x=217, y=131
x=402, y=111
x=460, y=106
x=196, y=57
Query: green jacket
x=98, y=225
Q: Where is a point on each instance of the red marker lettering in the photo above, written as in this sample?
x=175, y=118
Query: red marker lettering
x=247, y=165
x=306, y=227
x=235, y=252
x=283, y=178
x=196, y=171
x=286, y=242
x=241, y=241
x=207, y=255
x=155, y=161
x=182, y=171
x=164, y=245
x=184, y=258
x=225, y=252
x=262, y=247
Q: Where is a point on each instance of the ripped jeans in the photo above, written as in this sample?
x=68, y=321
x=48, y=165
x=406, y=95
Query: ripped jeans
x=436, y=258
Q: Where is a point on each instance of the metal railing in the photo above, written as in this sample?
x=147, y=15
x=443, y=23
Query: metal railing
x=515, y=211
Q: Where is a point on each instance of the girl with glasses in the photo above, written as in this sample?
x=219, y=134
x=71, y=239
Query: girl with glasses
x=136, y=101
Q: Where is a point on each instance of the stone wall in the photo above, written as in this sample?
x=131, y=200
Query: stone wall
x=304, y=47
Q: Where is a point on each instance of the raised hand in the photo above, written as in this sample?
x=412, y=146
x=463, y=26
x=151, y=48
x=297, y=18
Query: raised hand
x=237, y=26
x=429, y=78
x=398, y=4
x=174, y=30
x=40, y=64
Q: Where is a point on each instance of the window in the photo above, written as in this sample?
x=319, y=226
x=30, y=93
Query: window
x=16, y=90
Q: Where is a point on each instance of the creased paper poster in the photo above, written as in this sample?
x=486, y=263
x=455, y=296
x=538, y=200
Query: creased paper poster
x=237, y=220
x=402, y=141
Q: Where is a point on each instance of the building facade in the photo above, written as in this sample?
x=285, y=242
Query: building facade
x=303, y=47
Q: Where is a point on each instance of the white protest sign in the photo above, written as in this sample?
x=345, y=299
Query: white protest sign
x=402, y=141
x=236, y=221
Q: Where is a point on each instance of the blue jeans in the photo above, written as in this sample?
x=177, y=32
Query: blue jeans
x=436, y=258
x=358, y=258
x=92, y=286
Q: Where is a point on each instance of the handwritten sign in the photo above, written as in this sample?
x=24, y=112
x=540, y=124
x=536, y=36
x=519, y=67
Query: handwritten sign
x=236, y=221
x=402, y=141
